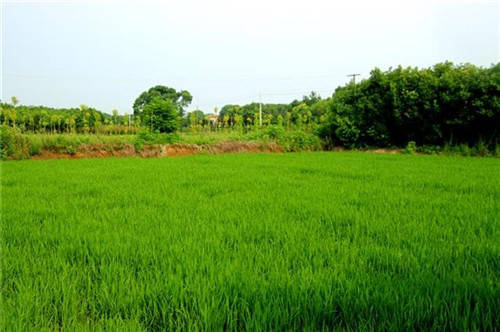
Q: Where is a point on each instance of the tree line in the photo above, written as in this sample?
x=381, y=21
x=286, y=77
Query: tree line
x=443, y=104
x=305, y=114
x=84, y=120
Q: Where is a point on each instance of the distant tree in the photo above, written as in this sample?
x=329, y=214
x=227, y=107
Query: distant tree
x=181, y=99
x=162, y=115
x=97, y=121
x=115, y=115
x=311, y=99
x=196, y=117
x=288, y=119
x=72, y=124
x=268, y=118
x=137, y=120
x=53, y=122
x=86, y=126
x=14, y=100
x=13, y=117
x=279, y=120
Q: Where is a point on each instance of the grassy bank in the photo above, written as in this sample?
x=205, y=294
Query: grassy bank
x=258, y=241
x=15, y=145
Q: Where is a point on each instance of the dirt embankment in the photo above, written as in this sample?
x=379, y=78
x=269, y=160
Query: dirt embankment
x=159, y=150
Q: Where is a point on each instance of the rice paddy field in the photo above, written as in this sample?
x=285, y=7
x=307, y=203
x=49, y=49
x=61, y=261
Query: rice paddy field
x=299, y=241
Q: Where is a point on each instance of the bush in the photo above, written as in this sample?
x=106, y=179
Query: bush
x=300, y=141
x=13, y=144
x=481, y=149
x=430, y=149
x=70, y=148
x=138, y=144
x=145, y=136
x=35, y=146
x=411, y=147
x=148, y=137
x=464, y=150
x=275, y=132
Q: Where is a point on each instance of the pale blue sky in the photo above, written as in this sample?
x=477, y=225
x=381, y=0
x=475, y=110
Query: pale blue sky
x=104, y=54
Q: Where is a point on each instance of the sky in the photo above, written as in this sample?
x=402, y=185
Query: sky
x=105, y=53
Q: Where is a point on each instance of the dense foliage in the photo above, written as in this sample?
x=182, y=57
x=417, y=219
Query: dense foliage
x=85, y=120
x=162, y=115
x=305, y=114
x=18, y=145
x=445, y=104
x=251, y=242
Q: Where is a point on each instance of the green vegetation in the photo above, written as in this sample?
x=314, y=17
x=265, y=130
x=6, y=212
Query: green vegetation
x=437, y=108
x=446, y=108
x=83, y=120
x=257, y=241
x=445, y=104
x=161, y=108
x=16, y=145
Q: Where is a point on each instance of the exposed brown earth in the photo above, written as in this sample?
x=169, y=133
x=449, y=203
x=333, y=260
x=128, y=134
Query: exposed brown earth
x=159, y=150
x=172, y=150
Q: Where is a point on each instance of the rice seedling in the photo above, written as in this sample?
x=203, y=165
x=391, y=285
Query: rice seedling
x=302, y=241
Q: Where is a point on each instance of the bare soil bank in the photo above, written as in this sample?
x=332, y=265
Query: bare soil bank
x=160, y=150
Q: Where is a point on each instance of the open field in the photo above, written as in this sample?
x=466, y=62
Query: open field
x=310, y=241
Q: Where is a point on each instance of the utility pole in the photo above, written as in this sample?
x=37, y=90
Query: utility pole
x=353, y=77
x=353, y=80
x=260, y=110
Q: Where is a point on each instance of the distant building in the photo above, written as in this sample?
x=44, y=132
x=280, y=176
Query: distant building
x=212, y=119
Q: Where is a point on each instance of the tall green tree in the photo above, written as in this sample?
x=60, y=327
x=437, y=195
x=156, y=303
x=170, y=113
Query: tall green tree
x=161, y=115
x=181, y=99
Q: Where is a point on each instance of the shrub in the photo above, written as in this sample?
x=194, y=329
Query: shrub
x=430, y=149
x=70, y=148
x=35, y=146
x=464, y=150
x=148, y=137
x=481, y=149
x=13, y=144
x=275, y=132
x=411, y=147
x=300, y=141
x=145, y=136
x=138, y=144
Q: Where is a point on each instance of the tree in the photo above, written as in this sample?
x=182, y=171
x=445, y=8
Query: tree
x=196, y=117
x=14, y=100
x=71, y=124
x=115, y=115
x=181, y=99
x=53, y=122
x=313, y=98
x=162, y=115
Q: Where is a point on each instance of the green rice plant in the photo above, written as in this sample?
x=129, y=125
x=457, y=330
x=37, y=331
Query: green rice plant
x=298, y=241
